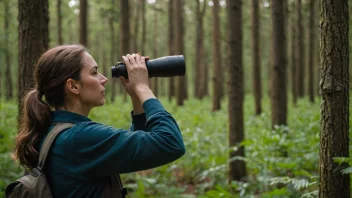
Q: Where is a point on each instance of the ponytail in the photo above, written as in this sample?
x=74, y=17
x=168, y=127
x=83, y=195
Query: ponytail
x=34, y=123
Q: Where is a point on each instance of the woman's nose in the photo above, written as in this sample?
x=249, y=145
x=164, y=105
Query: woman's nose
x=103, y=79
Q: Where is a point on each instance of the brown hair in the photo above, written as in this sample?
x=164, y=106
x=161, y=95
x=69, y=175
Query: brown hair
x=52, y=70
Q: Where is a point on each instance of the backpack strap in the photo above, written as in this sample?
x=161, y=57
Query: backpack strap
x=59, y=127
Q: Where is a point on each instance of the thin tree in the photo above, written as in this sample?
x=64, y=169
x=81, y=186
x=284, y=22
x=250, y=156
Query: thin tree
x=83, y=8
x=217, y=78
x=293, y=53
x=59, y=22
x=311, y=50
x=8, y=75
x=199, y=71
x=257, y=90
x=33, y=34
x=237, y=168
x=278, y=68
x=136, y=26
x=179, y=48
x=155, y=87
x=113, y=53
x=171, y=42
x=300, y=51
x=334, y=86
x=144, y=28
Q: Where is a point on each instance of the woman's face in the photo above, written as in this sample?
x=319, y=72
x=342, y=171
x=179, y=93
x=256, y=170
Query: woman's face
x=92, y=90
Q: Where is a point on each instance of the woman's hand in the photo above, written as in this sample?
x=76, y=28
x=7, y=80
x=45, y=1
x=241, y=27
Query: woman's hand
x=137, y=84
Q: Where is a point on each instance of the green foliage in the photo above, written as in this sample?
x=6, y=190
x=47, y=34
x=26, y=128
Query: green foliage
x=280, y=163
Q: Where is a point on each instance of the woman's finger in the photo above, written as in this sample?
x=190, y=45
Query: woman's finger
x=132, y=59
x=138, y=59
x=127, y=62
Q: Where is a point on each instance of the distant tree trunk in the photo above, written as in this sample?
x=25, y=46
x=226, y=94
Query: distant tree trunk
x=59, y=23
x=334, y=135
x=204, y=90
x=217, y=74
x=312, y=38
x=178, y=17
x=235, y=89
x=293, y=54
x=155, y=52
x=136, y=27
x=8, y=75
x=144, y=28
x=171, y=45
x=300, y=52
x=113, y=55
x=33, y=41
x=278, y=68
x=199, y=72
x=83, y=7
x=256, y=56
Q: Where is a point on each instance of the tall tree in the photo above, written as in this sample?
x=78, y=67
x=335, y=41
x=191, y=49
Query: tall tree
x=334, y=86
x=113, y=53
x=179, y=49
x=144, y=28
x=300, y=51
x=83, y=8
x=171, y=45
x=155, y=87
x=59, y=22
x=256, y=56
x=278, y=68
x=8, y=75
x=33, y=33
x=293, y=53
x=217, y=83
x=136, y=26
x=311, y=50
x=235, y=88
x=199, y=69
x=124, y=28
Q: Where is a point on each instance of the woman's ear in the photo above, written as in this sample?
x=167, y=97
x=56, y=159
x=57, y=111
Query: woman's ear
x=72, y=86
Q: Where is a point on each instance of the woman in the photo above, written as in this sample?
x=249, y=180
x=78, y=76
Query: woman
x=83, y=158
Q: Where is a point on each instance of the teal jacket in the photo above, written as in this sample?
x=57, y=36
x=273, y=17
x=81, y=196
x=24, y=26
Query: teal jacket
x=83, y=157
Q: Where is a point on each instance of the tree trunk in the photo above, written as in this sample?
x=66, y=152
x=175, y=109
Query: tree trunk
x=113, y=54
x=83, y=7
x=300, y=52
x=278, y=68
x=179, y=47
x=293, y=54
x=144, y=28
x=334, y=136
x=155, y=52
x=8, y=75
x=136, y=27
x=33, y=41
x=312, y=38
x=256, y=56
x=235, y=89
x=171, y=46
x=59, y=23
x=217, y=75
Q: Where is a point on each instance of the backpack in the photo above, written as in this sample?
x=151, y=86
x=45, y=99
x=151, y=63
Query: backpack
x=34, y=184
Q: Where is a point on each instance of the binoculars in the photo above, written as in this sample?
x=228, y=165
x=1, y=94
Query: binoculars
x=167, y=66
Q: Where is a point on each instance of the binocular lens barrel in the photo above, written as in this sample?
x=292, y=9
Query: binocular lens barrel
x=167, y=66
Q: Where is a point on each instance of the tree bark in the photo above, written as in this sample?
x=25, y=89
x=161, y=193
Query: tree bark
x=312, y=38
x=235, y=89
x=293, y=55
x=278, y=68
x=8, y=75
x=199, y=71
x=136, y=26
x=33, y=41
x=256, y=57
x=300, y=51
x=155, y=52
x=171, y=45
x=179, y=49
x=217, y=75
x=83, y=8
x=334, y=86
x=144, y=28
x=59, y=22
x=113, y=54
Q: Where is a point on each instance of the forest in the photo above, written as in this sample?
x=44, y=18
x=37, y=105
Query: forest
x=263, y=108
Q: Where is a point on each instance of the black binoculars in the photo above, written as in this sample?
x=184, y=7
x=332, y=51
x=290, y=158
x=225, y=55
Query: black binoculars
x=167, y=66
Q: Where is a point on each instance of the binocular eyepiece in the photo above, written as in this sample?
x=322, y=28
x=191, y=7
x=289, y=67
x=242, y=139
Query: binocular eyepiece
x=167, y=66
